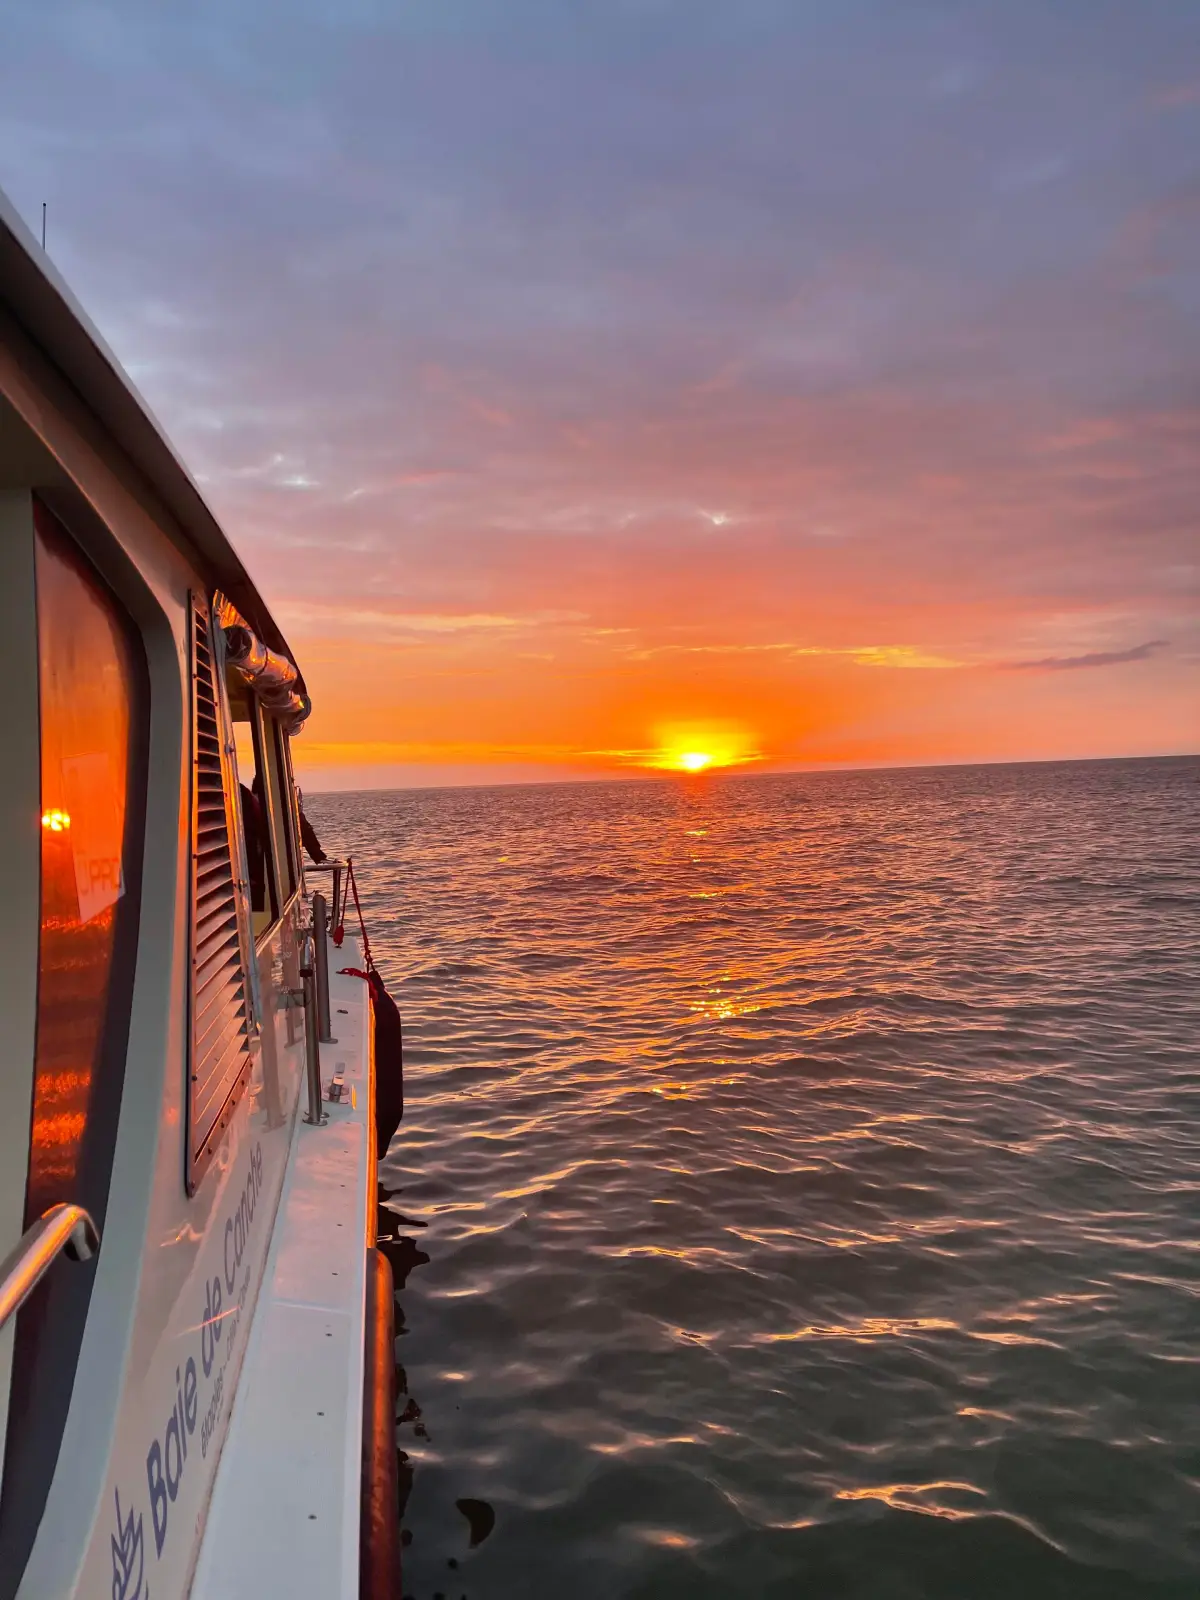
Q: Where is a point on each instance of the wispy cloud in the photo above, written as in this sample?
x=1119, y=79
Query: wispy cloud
x=1094, y=658
x=308, y=617
x=901, y=656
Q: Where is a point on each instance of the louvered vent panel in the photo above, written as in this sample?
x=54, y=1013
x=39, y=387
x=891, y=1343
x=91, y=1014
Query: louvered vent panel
x=220, y=1038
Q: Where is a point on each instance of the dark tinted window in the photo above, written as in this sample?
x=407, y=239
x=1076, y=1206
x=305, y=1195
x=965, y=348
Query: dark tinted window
x=92, y=707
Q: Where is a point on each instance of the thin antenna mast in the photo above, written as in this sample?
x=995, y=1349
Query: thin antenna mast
x=43, y=224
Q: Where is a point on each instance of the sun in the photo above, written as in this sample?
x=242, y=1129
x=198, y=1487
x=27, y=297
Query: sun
x=701, y=747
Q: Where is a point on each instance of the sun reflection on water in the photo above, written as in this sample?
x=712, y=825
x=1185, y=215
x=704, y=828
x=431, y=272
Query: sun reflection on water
x=918, y=1497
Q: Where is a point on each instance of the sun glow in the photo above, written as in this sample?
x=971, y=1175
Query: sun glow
x=701, y=747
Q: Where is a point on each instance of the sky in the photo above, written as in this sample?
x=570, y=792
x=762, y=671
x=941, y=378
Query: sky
x=590, y=386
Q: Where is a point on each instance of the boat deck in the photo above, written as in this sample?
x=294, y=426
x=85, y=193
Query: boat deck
x=285, y=1508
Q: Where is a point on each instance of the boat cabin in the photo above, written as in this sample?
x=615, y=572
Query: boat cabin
x=189, y=1292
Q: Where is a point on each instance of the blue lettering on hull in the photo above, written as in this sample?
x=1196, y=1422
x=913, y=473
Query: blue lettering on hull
x=167, y=1457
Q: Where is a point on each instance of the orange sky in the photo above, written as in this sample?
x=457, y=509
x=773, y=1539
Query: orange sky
x=981, y=587
x=815, y=385
x=504, y=698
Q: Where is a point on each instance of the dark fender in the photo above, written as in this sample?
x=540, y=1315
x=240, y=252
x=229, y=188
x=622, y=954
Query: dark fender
x=389, y=1064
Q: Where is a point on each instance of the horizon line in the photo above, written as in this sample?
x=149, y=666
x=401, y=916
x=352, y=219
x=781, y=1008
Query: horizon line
x=739, y=772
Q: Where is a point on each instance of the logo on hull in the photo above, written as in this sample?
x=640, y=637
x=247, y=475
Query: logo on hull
x=128, y=1555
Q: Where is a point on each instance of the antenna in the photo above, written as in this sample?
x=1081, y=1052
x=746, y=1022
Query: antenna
x=43, y=224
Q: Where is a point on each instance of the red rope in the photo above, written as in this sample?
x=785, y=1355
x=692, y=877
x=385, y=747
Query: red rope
x=361, y=920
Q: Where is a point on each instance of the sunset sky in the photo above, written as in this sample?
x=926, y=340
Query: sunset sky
x=801, y=383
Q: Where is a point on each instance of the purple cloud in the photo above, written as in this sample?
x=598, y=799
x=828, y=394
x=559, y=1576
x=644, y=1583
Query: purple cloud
x=1095, y=658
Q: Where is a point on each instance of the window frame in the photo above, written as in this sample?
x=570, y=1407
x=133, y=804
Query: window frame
x=293, y=795
x=277, y=898
x=285, y=881
x=44, y=1372
x=282, y=769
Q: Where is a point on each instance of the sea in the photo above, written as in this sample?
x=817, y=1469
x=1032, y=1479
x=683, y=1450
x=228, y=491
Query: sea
x=798, y=1193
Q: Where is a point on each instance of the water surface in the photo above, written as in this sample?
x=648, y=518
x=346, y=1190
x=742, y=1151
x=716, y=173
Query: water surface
x=810, y=1177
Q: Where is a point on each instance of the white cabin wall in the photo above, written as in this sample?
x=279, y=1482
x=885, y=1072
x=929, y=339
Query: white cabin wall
x=20, y=857
x=118, y=525
x=159, y=1246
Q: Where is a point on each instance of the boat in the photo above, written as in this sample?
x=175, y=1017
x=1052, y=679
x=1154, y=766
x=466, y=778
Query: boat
x=196, y=1323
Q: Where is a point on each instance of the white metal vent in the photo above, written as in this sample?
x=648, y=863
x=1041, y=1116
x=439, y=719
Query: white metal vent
x=220, y=1044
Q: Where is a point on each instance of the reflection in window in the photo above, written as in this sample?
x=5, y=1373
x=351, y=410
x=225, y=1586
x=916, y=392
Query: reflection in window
x=92, y=705
x=86, y=687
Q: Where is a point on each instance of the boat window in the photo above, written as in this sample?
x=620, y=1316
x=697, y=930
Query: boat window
x=253, y=771
x=92, y=708
x=284, y=799
x=268, y=819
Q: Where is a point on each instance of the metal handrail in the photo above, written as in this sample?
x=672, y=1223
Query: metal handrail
x=337, y=910
x=320, y=933
x=64, y=1229
x=312, y=1051
x=338, y=868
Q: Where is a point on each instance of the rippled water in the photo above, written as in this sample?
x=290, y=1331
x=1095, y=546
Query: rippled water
x=810, y=1168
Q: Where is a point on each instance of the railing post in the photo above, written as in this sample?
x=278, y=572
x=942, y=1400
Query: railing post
x=321, y=945
x=335, y=911
x=312, y=1050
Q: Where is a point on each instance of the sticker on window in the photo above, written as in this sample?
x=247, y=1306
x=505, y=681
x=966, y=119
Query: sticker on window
x=96, y=829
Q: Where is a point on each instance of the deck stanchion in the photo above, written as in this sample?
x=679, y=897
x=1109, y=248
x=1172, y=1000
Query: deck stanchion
x=321, y=948
x=335, y=910
x=312, y=1050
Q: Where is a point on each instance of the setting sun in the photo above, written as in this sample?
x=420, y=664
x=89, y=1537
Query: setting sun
x=699, y=747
